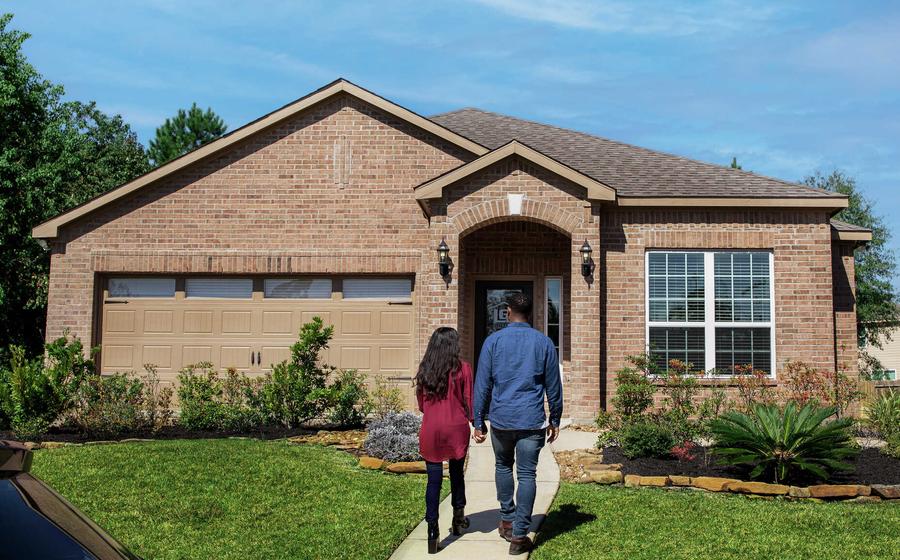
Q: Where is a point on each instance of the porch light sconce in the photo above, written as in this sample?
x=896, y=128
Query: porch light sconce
x=586, y=258
x=444, y=258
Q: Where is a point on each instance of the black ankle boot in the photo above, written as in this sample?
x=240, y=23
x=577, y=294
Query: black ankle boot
x=460, y=521
x=433, y=536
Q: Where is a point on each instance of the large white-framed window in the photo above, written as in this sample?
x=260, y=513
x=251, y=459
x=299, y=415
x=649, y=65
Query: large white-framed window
x=553, y=312
x=712, y=309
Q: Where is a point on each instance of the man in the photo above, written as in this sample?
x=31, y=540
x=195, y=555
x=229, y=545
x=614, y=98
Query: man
x=517, y=366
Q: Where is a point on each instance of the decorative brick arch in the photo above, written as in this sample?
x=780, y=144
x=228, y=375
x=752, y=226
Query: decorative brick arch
x=494, y=211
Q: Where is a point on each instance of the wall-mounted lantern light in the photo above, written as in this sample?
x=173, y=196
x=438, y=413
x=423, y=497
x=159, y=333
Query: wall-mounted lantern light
x=444, y=258
x=586, y=258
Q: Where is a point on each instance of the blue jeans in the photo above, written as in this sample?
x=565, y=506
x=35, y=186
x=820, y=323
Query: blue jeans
x=433, y=490
x=519, y=447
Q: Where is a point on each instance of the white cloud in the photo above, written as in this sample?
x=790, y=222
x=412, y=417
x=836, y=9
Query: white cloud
x=868, y=51
x=641, y=18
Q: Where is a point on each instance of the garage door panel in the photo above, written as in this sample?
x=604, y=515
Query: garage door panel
x=277, y=322
x=395, y=359
x=120, y=321
x=198, y=322
x=118, y=357
x=236, y=322
x=308, y=316
x=356, y=357
x=273, y=355
x=158, y=321
x=159, y=356
x=356, y=322
x=191, y=355
x=396, y=322
x=235, y=356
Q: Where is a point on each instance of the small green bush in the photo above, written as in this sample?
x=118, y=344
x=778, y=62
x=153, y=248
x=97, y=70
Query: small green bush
x=883, y=415
x=646, y=439
x=123, y=403
x=38, y=391
x=386, y=399
x=783, y=442
x=892, y=446
x=350, y=402
x=209, y=402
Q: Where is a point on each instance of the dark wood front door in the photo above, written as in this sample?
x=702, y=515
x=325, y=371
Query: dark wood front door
x=490, y=306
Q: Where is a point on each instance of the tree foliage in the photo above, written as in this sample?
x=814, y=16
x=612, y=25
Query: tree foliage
x=184, y=132
x=876, y=300
x=54, y=155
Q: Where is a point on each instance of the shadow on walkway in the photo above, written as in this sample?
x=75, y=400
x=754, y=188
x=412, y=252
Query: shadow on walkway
x=561, y=521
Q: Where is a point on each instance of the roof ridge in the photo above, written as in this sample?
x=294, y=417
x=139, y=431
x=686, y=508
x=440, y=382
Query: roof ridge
x=641, y=148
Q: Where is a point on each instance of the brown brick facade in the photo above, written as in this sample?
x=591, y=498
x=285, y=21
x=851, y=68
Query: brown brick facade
x=332, y=191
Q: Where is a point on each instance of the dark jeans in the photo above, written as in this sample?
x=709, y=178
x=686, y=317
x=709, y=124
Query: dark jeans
x=433, y=491
x=522, y=448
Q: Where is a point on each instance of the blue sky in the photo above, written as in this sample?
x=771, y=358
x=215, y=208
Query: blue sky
x=786, y=87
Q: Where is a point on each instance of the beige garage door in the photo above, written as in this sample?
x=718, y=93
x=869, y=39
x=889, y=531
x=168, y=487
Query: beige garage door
x=250, y=323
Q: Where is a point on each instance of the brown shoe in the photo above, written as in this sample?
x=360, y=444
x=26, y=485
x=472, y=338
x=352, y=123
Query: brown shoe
x=505, y=530
x=520, y=545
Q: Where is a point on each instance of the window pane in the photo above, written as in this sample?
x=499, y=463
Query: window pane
x=676, y=287
x=743, y=347
x=298, y=288
x=743, y=287
x=686, y=344
x=141, y=287
x=231, y=288
x=380, y=288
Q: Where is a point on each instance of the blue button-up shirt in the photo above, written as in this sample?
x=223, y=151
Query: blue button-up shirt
x=517, y=366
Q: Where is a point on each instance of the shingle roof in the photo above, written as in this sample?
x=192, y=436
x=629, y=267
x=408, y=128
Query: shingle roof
x=631, y=170
x=844, y=226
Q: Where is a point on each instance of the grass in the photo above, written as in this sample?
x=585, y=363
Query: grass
x=232, y=498
x=590, y=522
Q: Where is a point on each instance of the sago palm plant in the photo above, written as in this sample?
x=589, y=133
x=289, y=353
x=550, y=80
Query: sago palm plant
x=784, y=441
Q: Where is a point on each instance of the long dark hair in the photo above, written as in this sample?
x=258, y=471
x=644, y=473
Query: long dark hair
x=440, y=360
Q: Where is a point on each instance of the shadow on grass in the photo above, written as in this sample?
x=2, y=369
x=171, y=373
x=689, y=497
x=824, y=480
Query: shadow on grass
x=561, y=521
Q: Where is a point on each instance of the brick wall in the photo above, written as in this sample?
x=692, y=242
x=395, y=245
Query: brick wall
x=800, y=241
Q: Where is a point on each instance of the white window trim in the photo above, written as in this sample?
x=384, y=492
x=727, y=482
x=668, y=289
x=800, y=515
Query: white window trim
x=709, y=297
x=562, y=298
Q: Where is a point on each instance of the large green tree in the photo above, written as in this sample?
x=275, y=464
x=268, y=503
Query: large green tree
x=876, y=299
x=53, y=155
x=186, y=131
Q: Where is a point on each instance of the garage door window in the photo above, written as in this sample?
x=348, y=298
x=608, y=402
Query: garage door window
x=141, y=287
x=377, y=288
x=230, y=288
x=298, y=288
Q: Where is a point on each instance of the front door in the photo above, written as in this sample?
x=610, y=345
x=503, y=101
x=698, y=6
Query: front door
x=490, y=307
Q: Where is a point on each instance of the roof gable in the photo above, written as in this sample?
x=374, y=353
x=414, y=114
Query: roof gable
x=50, y=228
x=434, y=188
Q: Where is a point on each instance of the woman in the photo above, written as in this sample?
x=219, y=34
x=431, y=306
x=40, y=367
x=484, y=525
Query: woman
x=444, y=392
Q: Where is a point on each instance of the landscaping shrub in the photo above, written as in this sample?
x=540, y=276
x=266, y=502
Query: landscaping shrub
x=297, y=389
x=109, y=406
x=883, y=416
x=394, y=437
x=386, y=399
x=802, y=383
x=782, y=442
x=38, y=391
x=350, y=402
x=646, y=439
x=209, y=402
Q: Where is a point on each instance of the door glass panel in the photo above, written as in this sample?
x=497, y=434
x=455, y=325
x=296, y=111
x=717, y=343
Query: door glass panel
x=141, y=287
x=497, y=315
x=554, y=313
x=377, y=288
x=229, y=288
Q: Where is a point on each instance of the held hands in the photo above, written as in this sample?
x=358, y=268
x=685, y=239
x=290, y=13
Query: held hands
x=552, y=433
x=479, y=436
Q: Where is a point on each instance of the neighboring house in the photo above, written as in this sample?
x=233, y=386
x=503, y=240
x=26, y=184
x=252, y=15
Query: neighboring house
x=335, y=205
x=888, y=355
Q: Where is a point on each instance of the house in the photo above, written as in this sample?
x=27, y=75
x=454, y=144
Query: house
x=335, y=205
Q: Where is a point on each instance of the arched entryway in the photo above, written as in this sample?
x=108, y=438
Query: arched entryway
x=514, y=255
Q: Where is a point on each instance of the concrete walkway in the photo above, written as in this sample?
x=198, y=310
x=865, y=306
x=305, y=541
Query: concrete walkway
x=481, y=540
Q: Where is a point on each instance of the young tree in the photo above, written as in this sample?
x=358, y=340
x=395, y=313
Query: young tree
x=53, y=155
x=735, y=164
x=184, y=132
x=876, y=300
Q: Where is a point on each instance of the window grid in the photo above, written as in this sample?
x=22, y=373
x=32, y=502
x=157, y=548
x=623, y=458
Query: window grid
x=751, y=265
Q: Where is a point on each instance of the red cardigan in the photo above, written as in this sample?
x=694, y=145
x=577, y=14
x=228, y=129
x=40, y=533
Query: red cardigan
x=445, y=425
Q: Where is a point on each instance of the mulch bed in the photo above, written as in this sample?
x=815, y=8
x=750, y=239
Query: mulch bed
x=870, y=467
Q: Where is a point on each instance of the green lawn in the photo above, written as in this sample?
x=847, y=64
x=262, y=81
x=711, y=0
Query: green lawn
x=230, y=498
x=591, y=522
